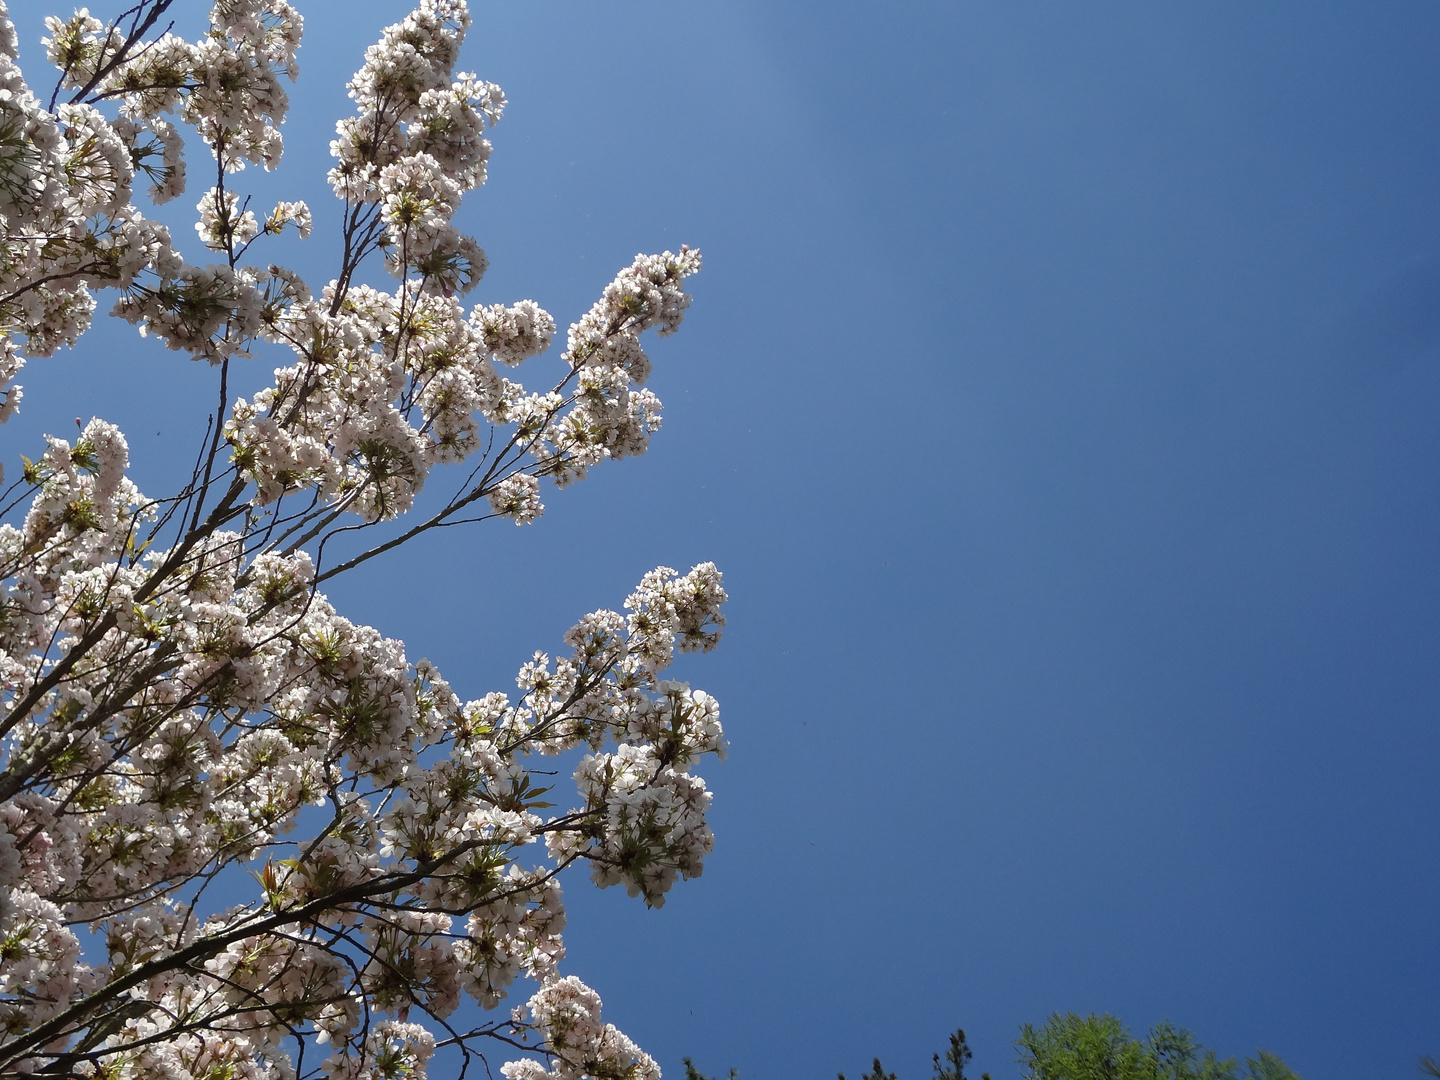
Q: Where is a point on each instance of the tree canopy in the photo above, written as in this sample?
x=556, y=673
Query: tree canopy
x=1100, y=1047
x=241, y=835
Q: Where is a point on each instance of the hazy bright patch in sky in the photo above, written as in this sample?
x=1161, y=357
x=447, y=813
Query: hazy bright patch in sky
x=1060, y=401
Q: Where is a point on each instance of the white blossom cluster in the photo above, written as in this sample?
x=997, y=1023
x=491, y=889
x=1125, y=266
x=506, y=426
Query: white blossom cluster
x=67, y=219
x=386, y=386
x=568, y=1013
x=180, y=703
x=415, y=146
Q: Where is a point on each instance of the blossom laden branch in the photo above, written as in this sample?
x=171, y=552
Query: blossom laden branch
x=177, y=696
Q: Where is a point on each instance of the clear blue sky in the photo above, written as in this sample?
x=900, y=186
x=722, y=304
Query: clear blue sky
x=1060, y=399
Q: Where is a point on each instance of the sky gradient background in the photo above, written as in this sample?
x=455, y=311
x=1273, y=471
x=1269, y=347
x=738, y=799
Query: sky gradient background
x=1059, y=399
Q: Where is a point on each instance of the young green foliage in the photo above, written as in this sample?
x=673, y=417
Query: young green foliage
x=1074, y=1047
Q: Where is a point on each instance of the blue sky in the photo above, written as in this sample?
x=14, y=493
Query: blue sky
x=1060, y=400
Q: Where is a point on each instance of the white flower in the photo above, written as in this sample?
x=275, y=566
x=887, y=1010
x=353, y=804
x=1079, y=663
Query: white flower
x=518, y=497
x=223, y=226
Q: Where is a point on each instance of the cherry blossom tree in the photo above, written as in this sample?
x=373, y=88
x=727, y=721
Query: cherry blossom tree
x=187, y=721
